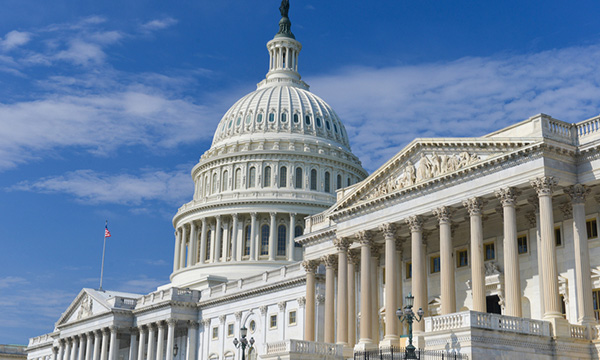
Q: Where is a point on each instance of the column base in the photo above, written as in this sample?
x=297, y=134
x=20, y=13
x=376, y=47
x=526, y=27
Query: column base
x=390, y=341
x=365, y=345
x=559, y=327
x=348, y=352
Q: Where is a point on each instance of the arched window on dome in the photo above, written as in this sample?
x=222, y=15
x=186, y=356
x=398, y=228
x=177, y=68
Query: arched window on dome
x=281, y=240
x=335, y=128
x=327, y=125
x=267, y=177
x=339, y=182
x=252, y=177
x=298, y=231
x=283, y=117
x=349, y=181
x=215, y=184
x=298, y=178
x=318, y=121
x=208, y=243
x=283, y=177
x=307, y=120
x=327, y=181
x=271, y=117
x=230, y=243
x=259, y=118
x=225, y=180
x=206, y=186
x=313, y=179
x=247, y=240
x=237, y=178
x=296, y=119
x=264, y=240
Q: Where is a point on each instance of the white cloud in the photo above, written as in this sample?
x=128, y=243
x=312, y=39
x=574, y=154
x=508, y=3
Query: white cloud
x=14, y=39
x=158, y=24
x=8, y=281
x=385, y=108
x=96, y=188
x=81, y=52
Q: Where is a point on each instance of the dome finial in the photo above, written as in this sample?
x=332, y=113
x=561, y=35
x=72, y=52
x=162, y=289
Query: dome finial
x=285, y=24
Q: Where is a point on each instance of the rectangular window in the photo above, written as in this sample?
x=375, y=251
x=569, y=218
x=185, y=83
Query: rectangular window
x=292, y=318
x=408, y=270
x=557, y=236
x=273, y=321
x=435, y=264
x=215, y=332
x=462, y=258
x=592, y=228
x=229, y=329
x=596, y=301
x=489, y=251
x=522, y=244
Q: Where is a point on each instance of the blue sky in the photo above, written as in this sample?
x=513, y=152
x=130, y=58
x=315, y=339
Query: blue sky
x=105, y=106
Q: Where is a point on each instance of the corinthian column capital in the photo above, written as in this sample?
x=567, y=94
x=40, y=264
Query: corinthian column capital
x=310, y=266
x=544, y=185
x=577, y=193
x=507, y=196
x=415, y=223
x=443, y=213
x=364, y=238
x=342, y=244
x=474, y=206
x=354, y=257
x=330, y=261
x=388, y=230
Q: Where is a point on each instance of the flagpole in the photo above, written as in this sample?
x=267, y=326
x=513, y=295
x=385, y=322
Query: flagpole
x=103, y=250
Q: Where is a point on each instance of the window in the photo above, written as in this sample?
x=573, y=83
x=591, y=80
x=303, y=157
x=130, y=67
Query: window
x=327, y=125
x=281, y=240
x=307, y=119
x=225, y=180
x=292, y=318
x=230, y=123
x=327, y=181
x=247, y=242
x=335, y=128
x=313, y=179
x=252, y=177
x=264, y=240
x=237, y=178
x=522, y=244
x=592, y=228
x=206, y=186
x=557, y=236
x=339, y=182
x=215, y=187
x=252, y=326
x=208, y=235
x=435, y=264
x=409, y=270
x=462, y=258
x=298, y=178
x=283, y=117
x=267, y=177
x=215, y=332
x=349, y=182
x=273, y=321
x=248, y=119
x=298, y=231
x=282, y=176
x=596, y=301
x=229, y=329
x=271, y=117
x=296, y=118
x=259, y=118
x=489, y=251
x=319, y=122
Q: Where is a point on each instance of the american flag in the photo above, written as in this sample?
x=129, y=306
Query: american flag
x=106, y=232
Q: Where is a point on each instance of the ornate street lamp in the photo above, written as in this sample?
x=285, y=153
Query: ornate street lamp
x=409, y=316
x=243, y=342
x=175, y=350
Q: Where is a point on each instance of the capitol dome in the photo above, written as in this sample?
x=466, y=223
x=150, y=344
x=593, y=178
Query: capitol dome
x=279, y=155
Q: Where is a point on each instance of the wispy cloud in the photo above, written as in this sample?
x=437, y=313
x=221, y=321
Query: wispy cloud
x=14, y=39
x=158, y=24
x=8, y=281
x=385, y=108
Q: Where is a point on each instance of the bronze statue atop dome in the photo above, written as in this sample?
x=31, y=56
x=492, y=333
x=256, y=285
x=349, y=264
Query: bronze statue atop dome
x=284, y=8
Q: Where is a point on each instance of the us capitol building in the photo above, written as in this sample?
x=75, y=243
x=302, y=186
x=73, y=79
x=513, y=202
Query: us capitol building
x=288, y=236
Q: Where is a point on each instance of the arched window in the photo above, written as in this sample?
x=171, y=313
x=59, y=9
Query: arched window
x=327, y=182
x=298, y=231
x=247, y=240
x=349, y=182
x=208, y=241
x=225, y=180
x=271, y=117
x=281, y=240
x=282, y=177
x=215, y=187
x=298, y=178
x=237, y=178
x=296, y=118
x=267, y=177
x=264, y=240
x=283, y=117
x=339, y=182
x=252, y=177
x=206, y=186
x=313, y=179
x=307, y=119
x=230, y=243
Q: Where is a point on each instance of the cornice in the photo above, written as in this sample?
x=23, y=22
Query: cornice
x=318, y=236
x=108, y=313
x=165, y=304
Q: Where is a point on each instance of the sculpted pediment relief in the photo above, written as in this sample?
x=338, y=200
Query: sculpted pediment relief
x=84, y=306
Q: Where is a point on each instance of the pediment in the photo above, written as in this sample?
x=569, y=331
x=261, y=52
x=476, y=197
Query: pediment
x=426, y=161
x=85, y=305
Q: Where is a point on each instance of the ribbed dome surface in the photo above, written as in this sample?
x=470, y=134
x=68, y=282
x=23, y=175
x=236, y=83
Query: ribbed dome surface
x=281, y=109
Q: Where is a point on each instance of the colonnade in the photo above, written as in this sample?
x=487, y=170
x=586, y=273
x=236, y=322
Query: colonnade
x=345, y=262
x=221, y=238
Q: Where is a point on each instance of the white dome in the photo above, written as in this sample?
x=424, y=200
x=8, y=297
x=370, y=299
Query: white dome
x=277, y=109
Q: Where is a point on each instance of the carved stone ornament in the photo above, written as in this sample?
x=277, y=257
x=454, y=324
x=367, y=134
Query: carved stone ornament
x=85, y=310
x=507, y=196
x=282, y=305
x=544, y=185
x=301, y=301
x=415, y=223
x=535, y=202
x=310, y=266
x=238, y=315
x=354, y=257
x=193, y=324
x=320, y=299
x=388, y=230
x=474, y=206
x=263, y=309
x=206, y=323
x=491, y=269
x=566, y=209
x=342, y=244
x=399, y=244
x=222, y=318
x=532, y=218
x=443, y=213
x=330, y=261
x=577, y=193
x=364, y=238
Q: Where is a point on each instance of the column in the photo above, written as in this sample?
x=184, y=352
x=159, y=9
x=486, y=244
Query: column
x=448, y=292
x=114, y=344
x=552, y=305
x=365, y=288
x=151, y=342
x=234, y=235
x=419, y=269
x=160, y=341
x=225, y=242
x=218, y=237
x=474, y=207
x=272, y=237
x=61, y=349
x=133, y=344
x=89, y=345
x=206, y=327
x=142, y=343
x=54, y=353
x=170, y=337
x=203, y=242
x=68, y=349
x=282, y=320
x=535, y=221
x=253, y=236
x=182, y=249
x=97, y=343
x=74, y=348
x=310, y=266
x=330, y=264
x=342, y=246
x=353, y=260
x=391, y=282
x=585, y=308
x=291, y=235
x=192, y=340
x=177, y=250
x=105, y=338
x=375, y=255
x=193, y=247
x=399, y=298
x=81, y=347
x=512, y=278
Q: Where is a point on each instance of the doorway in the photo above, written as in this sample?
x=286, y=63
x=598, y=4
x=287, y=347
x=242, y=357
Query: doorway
x=492, y=304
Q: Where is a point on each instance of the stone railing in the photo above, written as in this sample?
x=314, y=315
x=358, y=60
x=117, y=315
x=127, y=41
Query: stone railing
x=317, y=349
x=171, y=294
x=13, y=349
x=42, y=339
x=588, y=127
x=473, y=319
x=578, y=331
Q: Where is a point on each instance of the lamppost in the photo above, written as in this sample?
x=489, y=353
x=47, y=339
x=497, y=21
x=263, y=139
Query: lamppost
x=409, y=316
x=243, y=342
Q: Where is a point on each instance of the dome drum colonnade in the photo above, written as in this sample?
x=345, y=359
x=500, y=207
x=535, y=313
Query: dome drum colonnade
x=349, y=259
